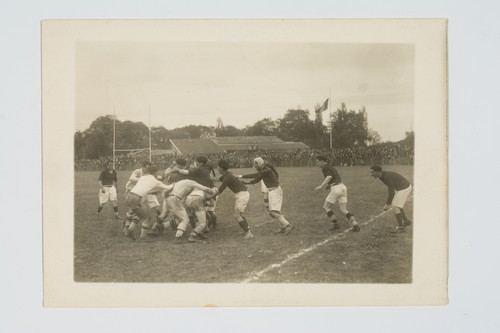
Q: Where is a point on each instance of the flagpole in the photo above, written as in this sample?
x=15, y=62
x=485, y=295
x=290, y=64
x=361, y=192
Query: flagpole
x=149, y=132
x=329, y=113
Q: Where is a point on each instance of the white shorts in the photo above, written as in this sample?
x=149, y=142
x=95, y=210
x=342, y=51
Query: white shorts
x=195, y=203
x=108, y=195
x=175, y=205
x=211, y=203
x=241, y=202
x=263, y=187
x=151, y=200
x=400, y=197
x=275, y=199
x=337, y=193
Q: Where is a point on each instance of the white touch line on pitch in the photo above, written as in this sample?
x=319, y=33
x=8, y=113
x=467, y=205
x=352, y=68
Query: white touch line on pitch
x=256, y=276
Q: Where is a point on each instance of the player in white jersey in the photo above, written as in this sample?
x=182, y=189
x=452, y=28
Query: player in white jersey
x=174, y=199
x=169, y=176
x=146, y=185
x=195, y=205
x=150, y=199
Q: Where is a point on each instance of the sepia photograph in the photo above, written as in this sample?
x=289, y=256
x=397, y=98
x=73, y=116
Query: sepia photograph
x=242, y=154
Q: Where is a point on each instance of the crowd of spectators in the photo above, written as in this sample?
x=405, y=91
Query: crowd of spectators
x=383, y=155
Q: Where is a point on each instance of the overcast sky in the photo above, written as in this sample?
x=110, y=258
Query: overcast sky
x=194, y=83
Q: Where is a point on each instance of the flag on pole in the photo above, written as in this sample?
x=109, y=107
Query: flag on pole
x=323, y=107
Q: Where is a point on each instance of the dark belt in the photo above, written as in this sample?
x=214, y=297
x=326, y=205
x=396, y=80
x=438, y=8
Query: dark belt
x=107, y=185
x=335, y=184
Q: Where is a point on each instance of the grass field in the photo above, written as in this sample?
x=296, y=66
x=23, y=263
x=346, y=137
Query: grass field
x=374, y=255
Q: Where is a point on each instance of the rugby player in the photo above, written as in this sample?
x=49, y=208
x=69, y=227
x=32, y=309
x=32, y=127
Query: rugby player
x=180, y=191
x=200, y=173
x=275, y=193
x=338, y=192
x=263, y=188
x=241, y=195
x=150, y=199
x=399, y=189
x=146, y=185
x=107, y=189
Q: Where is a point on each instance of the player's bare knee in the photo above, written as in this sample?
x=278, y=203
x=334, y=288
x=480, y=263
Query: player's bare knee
x=397, y=210
x=238, y=218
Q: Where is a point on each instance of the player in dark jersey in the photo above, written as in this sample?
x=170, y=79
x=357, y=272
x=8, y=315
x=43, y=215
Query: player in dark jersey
x=241, y=195
x=170, y=176
x=399, y=189
x=338, y=192
x=275, y=193
x=107, y=189
x=263, y=188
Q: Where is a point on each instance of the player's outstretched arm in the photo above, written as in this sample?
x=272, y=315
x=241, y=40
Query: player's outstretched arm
x=249, y=175
x=324, y=183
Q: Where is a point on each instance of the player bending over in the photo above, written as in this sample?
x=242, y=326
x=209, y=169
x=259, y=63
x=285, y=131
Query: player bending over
x=174, y=200
x=399, y=189
x=150, y=199
x=200, y=173
x=171, y=177
x=146, y=185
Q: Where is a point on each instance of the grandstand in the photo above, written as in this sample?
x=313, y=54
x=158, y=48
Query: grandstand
x=195, y=146
x=233, y=144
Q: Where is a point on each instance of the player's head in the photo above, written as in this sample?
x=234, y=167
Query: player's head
x=321, y=160
x=376, y=171
x=145, y=165
x=258, y=163
x=201, y=161
x=152, y=170
x=109, y=165
x=223, y=166
x=180, y=162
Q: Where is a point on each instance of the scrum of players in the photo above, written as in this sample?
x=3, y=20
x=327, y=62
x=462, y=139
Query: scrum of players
x=190, y=196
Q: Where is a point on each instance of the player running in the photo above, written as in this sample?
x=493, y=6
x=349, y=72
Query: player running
x=107, y=189
x=241, y=195
x=399, y=189
x=275, y=193
x=338, y=192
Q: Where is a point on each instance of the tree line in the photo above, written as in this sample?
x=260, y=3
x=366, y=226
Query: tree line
x=349, y=129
